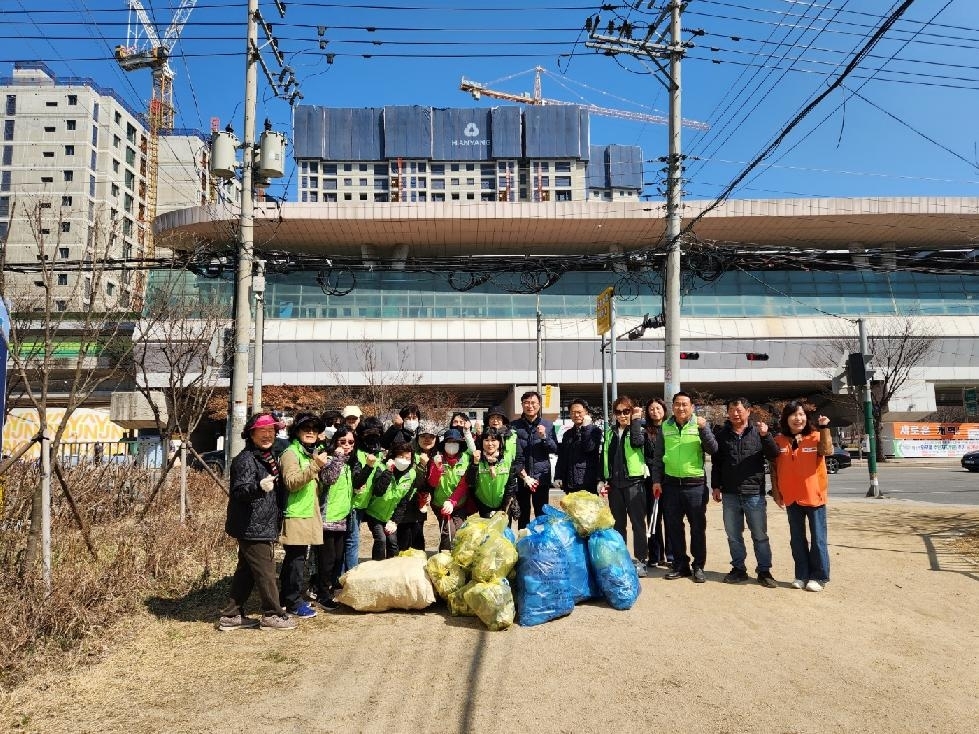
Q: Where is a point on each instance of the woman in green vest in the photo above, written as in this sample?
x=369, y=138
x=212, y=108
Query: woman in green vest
x=302, y=525
x=368, y=454
x=493, y=477
x=392, y=488
x=446, y=478
x=624, y=472
x=337, y=481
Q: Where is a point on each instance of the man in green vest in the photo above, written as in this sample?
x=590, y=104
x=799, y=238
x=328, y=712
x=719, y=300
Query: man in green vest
x=678, y=478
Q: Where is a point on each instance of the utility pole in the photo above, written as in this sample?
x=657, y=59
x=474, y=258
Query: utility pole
x=611, y=351
x=243, y=271
x=540, y=352
x=659, y=45
x=868, y=420
x=258, y=288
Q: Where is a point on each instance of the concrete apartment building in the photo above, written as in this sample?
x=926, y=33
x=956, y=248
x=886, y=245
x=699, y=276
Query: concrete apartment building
x=74, y=181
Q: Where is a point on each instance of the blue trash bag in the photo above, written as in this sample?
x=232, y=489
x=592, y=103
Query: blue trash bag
x=542, y=583
x=613, y=567
x=582, y=579
x=508, y=534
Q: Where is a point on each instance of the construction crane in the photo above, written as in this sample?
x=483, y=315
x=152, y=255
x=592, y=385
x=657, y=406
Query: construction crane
x=478, y=90
x=145, y=50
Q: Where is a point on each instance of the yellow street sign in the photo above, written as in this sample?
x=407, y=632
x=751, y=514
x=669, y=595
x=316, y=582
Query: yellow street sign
x=603, y=310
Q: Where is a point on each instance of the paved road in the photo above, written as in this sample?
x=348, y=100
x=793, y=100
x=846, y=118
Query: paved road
x=939, y=482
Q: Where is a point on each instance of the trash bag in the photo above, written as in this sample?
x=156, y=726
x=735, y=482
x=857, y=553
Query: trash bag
x=588, y=511
x=613, y=567
x=395, y=583
x=542, y=583
x=414, y=553
x=493, y=603
x=580, y=576
x=458, y=606
x=494, y=559
x=445, y=574
x=470, y=536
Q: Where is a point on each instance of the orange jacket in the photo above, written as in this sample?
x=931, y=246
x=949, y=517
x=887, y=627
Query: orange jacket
x=800, y=472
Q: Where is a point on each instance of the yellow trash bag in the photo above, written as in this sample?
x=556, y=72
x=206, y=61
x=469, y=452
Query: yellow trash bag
x=458, y=606
x=494, y=559
x=413, y=553
x=468, y=539
x=492, y=603
x=445, y=574
x=588, y=512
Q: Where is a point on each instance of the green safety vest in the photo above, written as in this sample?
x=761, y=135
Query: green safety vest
x=510, y=446
x=383, y=507
x=360, y=501
x=302, y=502
x=339, y=497
x=635, y=458
x=683, y=455
x=490, y=489
x=451, y=476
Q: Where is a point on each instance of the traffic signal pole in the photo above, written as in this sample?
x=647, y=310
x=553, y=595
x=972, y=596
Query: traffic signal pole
x=868, y=421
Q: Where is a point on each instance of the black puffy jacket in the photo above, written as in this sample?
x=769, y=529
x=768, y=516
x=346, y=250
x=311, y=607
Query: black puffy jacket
x=579, y=458
x=253, y=513
x=738, y=467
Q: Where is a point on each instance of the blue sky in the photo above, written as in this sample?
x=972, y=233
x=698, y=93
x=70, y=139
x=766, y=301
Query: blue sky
x=904, y=124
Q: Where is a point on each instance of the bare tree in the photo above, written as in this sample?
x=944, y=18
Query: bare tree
x=178, y=358
x=898, y=347
x=69, y=337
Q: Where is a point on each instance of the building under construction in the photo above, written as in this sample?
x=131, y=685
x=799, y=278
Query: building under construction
x=427, y=154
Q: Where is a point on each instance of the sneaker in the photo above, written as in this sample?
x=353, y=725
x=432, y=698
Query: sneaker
x=698, y=576
x=641, y=570
x=311, y=594
x=813, y=585
x=329, y=603
x=278, y=622
x=302, y=610
x=766, y=579
x=237, y=622
x=736, y=576
x=798, y=584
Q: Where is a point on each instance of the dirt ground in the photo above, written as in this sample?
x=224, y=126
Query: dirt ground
x=892, y=645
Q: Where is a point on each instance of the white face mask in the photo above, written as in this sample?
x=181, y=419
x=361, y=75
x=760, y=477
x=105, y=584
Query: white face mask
x=451, y=449
x=411, y=425
x=329, y=431
x=401, y=463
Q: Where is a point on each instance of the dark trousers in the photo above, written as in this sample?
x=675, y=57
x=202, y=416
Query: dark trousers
x=329, y=562
x=629, y=501
x=292, y=575
x=686, y=501
x=411, y=535
x=385, y=546
x=448, y=527
x=526, y=499
x=256, y=569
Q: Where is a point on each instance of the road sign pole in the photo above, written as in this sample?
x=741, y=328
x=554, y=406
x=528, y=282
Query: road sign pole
x=868, y=421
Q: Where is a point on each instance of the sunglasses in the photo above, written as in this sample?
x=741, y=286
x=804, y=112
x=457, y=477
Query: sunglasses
x=345, y=441
x=624, y=412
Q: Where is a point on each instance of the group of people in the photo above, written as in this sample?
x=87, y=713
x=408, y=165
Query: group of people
x=342, y=469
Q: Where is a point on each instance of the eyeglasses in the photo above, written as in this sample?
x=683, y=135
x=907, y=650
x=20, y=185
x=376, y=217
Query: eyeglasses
x=628, y=411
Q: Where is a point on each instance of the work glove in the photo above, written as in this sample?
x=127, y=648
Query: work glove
x=532, y=484
x=390, y=527
x=603, y=489
x=267, y=484
x=447, y=508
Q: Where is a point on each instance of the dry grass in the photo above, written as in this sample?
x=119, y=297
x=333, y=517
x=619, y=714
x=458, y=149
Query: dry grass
x=137, y=560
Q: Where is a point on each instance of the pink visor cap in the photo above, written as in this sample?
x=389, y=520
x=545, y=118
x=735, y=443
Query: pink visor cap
x=264, y=421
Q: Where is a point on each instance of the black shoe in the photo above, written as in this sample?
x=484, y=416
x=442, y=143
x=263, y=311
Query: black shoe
x=674, y=574
x=698, y=576
x=766, y=579
x=736, y=576
x=329, y=603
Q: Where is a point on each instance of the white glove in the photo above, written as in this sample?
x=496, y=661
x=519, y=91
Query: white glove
x=603, y=489
x=557, y=484
x=448, y=508
x=531, y=483
x=470, y=441
x=267, y=484
x=390, y=527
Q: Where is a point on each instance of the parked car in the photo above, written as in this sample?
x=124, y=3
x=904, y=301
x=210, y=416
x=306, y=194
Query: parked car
x=839, y=459
x=214, y=460
x=970, y=461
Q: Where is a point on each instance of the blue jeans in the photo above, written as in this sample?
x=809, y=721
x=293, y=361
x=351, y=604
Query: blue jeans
x=351, y=543
x=750, y=507
x=811, y=560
